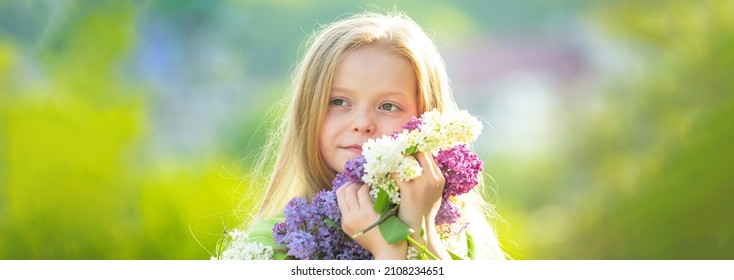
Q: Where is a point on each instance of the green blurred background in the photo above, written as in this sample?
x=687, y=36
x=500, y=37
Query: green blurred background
x=127, y=127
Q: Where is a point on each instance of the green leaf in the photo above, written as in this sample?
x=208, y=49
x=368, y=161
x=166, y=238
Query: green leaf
x=382, y=202
x=455, y=256
x=410, y=151
x=394, y=230
x=470, y=246
x=331, y=224
x=279, y=255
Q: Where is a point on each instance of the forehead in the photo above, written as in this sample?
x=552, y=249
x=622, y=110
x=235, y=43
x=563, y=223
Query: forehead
x=371, y=68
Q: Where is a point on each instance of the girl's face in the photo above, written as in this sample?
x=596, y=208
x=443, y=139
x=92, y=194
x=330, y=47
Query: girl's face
x=373, y=93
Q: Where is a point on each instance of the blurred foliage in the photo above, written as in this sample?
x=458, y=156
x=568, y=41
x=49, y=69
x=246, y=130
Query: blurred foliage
x=660, y=163
x=74, y=180
x=644, y=177
x=648, y=176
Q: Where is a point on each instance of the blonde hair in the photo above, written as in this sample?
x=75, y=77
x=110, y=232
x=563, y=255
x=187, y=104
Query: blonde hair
x=299, y=169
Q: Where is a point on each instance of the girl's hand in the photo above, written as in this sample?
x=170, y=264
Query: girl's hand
x=358, y=213
x=420, y=198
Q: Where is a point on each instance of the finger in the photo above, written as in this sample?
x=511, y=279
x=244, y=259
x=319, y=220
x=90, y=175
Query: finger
x=341, y=200
x=436, y=171
x=430, y=168
x=396, y=178
x=350, y=195
x=343, y=185
x=363, y=195
x=423, y=160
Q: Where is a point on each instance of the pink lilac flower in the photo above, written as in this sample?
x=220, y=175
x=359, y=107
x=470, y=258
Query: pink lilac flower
x=413, y=124
x=461, y=167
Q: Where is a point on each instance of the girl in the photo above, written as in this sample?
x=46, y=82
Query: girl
x=361, y=78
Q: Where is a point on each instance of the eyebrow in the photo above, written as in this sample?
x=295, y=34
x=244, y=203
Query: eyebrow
x=389, y=92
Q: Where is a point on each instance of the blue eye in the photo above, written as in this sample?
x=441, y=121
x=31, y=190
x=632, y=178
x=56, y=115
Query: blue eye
x=338, y=102
x=389, y=107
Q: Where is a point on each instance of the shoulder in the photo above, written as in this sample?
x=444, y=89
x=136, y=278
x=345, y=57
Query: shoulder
x=262, y=230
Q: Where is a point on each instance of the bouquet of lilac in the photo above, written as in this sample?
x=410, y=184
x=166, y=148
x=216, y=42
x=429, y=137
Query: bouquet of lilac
x=445, y=136
x=312, y=230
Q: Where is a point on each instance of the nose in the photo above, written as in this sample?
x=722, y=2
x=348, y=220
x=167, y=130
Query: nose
x=364, y=122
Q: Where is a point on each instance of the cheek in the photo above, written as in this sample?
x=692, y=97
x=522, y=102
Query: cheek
x=328, y=133
x=324, y=144
x=394, y=125
x=327, y=129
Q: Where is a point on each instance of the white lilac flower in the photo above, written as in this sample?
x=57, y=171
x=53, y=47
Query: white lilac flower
x=383, y=156
x=443, y=131
x=413, y=253
x=394, y=153
x=409, y=169
x=239, y=249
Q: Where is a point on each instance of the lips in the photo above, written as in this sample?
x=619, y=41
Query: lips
x=353, y=148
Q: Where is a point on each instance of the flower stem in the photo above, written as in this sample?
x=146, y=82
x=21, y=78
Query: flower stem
x=389, y=214
x=421, y=247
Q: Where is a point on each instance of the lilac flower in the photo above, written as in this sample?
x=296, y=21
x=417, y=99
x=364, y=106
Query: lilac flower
x=300, y=215
x=353, y=172
x=448, y=213
x=352, y=251
x=313, y=231
x=306, y=232
x=279, y=232
x=354, y=169
x=432, y=132
x=301, y=244
x=325, y=203
x=461, y=167
x=339, y=180
x=327, y=239
x=300, y=218
x=413, y=124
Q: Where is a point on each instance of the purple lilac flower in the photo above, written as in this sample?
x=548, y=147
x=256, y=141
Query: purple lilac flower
x=325, y=203
x=461, y=167
x=352, y=251
x=279, y=232
x=305, y=232
x=413, y=124
x=327, y=239
x=447, y=213
x=354, y=169
x=300, y=215
x=339, y=180
x=301, y=244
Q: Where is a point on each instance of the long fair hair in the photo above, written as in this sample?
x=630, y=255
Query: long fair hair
x=299, y=169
